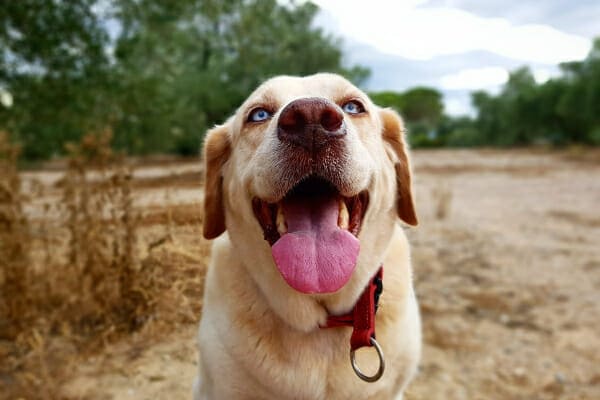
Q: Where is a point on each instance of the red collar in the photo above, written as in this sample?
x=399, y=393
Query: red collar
x=362, y=316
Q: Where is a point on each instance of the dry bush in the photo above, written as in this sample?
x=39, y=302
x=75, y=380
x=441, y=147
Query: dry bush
x=85, y=288
x=87, y=282
x=75, y=274
x=442, y=201
x=102, y=232
x=14, y=240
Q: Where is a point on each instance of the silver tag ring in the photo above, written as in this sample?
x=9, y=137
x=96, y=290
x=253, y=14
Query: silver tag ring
x=379, y=372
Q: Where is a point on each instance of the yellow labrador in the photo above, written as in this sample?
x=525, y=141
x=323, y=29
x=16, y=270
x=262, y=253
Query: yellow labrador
x=304, y=187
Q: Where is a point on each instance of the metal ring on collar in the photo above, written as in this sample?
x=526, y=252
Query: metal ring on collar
x=379, y=372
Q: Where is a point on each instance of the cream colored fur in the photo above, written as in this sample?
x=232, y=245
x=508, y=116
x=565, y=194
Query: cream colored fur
x=258, y=337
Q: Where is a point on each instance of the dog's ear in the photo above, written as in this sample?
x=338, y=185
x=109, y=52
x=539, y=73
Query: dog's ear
x=393, y=134
x=216, y=151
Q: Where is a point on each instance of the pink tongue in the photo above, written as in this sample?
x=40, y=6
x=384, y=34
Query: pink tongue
x=315, y=256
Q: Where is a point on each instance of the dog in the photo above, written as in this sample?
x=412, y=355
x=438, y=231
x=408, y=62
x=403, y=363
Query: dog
x=304, y=189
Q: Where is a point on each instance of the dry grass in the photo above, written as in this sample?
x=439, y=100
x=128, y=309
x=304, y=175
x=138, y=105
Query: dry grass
x=80, y=275
x=14, y=241
x=442, y=200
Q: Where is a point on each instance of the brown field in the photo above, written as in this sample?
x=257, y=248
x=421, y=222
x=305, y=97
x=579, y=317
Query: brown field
x=506, y=259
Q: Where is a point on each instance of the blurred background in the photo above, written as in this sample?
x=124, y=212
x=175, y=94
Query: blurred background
x=103, y=109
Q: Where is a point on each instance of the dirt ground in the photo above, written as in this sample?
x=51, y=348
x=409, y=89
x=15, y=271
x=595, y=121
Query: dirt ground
x=507, y=269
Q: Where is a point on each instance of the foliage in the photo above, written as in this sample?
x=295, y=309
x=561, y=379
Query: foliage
x=159, y=73
x=54, y=65
x=458, y=132
x=422, y=109
x=560, y=111
x=417, y=105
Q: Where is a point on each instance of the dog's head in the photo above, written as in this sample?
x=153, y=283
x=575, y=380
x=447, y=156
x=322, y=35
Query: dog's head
x=308, y=175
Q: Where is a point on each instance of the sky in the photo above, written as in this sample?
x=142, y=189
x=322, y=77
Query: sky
x=459, y=46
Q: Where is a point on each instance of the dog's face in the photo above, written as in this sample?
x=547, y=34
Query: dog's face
x=308, y=176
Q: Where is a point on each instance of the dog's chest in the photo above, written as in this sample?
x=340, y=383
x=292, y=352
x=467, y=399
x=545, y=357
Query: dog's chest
x=305, y=366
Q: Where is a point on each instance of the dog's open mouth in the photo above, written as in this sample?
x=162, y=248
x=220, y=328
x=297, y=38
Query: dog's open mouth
x=313, y=232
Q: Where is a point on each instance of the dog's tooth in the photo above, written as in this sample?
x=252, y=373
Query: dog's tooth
x=281, y=225
x=343, y=217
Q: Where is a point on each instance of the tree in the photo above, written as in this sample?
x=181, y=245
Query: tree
x=562, y=110
x=54, y=65
x=158, y=73
x=422, y=109
x=417, y=105
x=579, y=105
x=423, y=105
x=201, y=59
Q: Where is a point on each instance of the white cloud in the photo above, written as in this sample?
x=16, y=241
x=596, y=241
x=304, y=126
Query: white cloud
x=542, y=75
x=458, y=107
x=412, y=30
x=475, y=78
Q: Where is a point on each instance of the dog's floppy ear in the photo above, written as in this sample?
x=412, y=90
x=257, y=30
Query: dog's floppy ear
x=216, y=151
x=393, y=134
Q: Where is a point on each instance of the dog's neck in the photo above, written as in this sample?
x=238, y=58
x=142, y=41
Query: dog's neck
x=362, y=316
x=305, y=312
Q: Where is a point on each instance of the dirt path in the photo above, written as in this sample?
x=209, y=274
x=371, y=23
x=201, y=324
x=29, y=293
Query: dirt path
x=507, y=271
x=140, y=370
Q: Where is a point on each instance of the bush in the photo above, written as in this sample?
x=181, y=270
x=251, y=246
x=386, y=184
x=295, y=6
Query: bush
x=463, y=137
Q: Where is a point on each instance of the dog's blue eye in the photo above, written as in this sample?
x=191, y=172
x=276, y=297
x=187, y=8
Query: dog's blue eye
x=353, y=107
x=259, y=115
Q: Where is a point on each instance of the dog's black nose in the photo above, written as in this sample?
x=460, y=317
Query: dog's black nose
x=311, y=123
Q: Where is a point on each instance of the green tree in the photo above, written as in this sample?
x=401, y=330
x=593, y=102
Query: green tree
x=562, y=110
x=579, y=105
x=417, y=105
x=54, y=64
x=391, y=99
x=422, y=109
x=200, y=59
x=423, y=105
x=158, y=73
x=458, y=132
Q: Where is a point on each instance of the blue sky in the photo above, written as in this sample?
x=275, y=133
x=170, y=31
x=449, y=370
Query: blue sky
x=459, y=45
